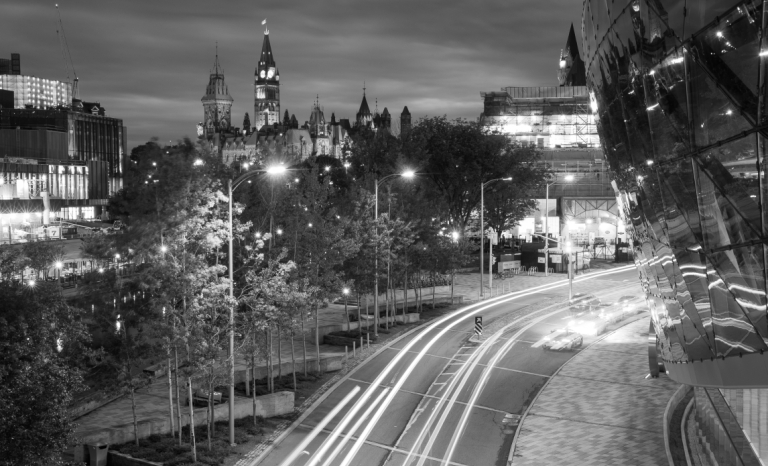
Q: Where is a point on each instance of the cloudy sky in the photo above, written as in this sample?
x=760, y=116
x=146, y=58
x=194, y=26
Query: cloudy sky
x=148, y=62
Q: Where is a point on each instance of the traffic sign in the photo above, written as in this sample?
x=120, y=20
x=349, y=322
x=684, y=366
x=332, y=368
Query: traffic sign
x=478, y=325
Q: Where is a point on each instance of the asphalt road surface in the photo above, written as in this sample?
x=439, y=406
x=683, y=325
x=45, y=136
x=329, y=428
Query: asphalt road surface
x=439, y=397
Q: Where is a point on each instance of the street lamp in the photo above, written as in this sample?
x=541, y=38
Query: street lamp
x=568, y=250
x=59, y=265
x=405, y=174
x=568, y=178
x=231, y=186
x=482, y=231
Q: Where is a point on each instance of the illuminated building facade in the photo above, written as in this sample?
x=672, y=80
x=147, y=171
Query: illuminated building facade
x=61, y=163
x=680, y=101
x=269, y=135
x=30, y=90
x=266, y=88
x=217, y=103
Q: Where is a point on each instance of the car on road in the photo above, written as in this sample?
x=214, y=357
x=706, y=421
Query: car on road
x=588, y=324
x=564, y=340
x=583, y=302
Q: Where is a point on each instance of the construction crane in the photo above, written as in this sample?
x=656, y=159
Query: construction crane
x=66, y=55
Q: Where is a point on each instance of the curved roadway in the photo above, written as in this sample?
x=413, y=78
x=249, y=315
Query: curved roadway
x=439, y=397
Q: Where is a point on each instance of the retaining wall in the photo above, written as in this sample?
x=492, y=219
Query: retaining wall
x=274, y=404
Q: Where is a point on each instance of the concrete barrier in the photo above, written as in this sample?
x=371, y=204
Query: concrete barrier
x=274, y=404
x=328, y=363
x=121, y=459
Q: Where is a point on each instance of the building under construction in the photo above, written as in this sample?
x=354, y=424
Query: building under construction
x=579, y=205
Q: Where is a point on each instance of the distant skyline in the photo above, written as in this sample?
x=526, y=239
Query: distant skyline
x=148, y=62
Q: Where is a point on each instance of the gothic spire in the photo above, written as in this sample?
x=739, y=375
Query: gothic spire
x=266, y=52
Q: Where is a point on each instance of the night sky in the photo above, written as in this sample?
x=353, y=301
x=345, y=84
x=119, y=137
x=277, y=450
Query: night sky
x=148, y=62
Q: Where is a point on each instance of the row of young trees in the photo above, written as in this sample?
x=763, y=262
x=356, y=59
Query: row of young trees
x=299, y=240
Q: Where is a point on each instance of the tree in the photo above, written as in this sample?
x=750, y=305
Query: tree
x=43, y=355
x=42, y=256
x=460, y=156
x=12, y=260
x=508, y=203
x=127, y=347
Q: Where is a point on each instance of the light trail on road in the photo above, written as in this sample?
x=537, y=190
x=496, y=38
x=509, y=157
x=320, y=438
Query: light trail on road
x=456, y=318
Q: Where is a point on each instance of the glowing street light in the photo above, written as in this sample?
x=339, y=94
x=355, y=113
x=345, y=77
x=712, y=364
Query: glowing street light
x=276, y=169
x=198, y=162
x=31, y=283
x=231, y=186
x=455, y=236
x=280, y=231
x=163, y=248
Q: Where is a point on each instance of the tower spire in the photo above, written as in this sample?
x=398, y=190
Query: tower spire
x=363, y=88
x=216, y=60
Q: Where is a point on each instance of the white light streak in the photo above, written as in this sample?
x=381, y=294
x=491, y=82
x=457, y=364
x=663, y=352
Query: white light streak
x=299, y=450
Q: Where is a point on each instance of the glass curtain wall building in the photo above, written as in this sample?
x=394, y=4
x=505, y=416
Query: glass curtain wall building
x=678, y=89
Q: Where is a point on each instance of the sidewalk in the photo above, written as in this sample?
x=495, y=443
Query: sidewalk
x=600, y=410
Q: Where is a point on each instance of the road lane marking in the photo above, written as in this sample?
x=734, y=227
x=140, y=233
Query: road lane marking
x=460, y=362
x=393, y=449
x=426, y=395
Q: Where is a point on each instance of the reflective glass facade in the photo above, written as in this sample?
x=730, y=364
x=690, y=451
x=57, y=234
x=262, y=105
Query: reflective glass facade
x=678, y=91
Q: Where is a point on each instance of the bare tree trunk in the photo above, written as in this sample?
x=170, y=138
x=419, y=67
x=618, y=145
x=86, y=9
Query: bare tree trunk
x=293, y=360
x=170, y=394
x=434, y=279
x=253, y=365
x=359, y=316
x=279, y=354
x=452, y=281
x=304, y=342
x=192, y=422
x=405, y=292
x=209, y=414
x=135, y=421
x=178, y=393
x=317, y=334
x=269, y=361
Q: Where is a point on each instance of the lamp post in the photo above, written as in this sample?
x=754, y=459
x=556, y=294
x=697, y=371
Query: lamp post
x=405, y=174
x=345, y=291
x=231, y=186
x=482, y=231
x=568, y=178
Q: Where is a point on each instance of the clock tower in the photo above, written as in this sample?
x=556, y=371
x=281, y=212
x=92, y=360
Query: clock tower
x=217, y=103
x=266, y=88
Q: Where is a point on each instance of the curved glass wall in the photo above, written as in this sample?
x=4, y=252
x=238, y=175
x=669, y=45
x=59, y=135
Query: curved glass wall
x=679, y=92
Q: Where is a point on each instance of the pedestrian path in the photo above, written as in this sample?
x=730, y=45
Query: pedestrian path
x=600, y=409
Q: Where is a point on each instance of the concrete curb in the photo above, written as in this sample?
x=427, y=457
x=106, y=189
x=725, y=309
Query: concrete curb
x=327, y=393
x=684, y=433
x=674, y=400
x=541, y=390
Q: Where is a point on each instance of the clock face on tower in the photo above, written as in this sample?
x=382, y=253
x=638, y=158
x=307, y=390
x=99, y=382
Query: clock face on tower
x=262, y=73
x=270, y=73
